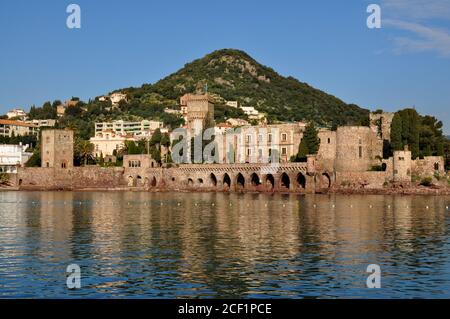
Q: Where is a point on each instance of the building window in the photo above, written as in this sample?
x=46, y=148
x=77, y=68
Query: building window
x=329, y=140
x=63, y=165
x=269, y=138
x=134, y=163
x=283, y=151
x=249, y=151
x=360, y=152
x=284, y=137
x=401, y=158
x=249, y=138
x=436, y=166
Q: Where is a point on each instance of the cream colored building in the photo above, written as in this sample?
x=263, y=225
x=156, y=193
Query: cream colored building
x=43, y=123
x=17, y=128
x=258, y=144
x=143, y=128
x=106, y=142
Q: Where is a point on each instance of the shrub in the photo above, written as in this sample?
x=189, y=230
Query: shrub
x=4, y=178
x=427, y=181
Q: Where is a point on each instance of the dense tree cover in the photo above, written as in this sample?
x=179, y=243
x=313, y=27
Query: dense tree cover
x=46, y=111
x=422, y=134
x=447, y=152
x=309, y=144
x=222, y=113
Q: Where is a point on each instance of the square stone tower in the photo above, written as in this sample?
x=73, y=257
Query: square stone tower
x=200, y=112
x=57, y=148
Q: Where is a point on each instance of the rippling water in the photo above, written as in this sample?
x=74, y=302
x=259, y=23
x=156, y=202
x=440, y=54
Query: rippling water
x=166, y=245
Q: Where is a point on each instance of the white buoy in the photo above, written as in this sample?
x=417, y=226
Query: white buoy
x=213, y=204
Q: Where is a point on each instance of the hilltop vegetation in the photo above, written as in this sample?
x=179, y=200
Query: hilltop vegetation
x=234, y=75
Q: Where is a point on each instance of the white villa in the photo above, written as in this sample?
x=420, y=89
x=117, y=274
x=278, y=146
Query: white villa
x=12, y=156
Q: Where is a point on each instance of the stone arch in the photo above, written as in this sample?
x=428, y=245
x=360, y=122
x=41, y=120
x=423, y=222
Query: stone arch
x=285, y=181
x=226, y=181
x=213, y=180
x=301, y=180
x=270, y=181
x=153, y=182
x=138, y=180
x=325, y=180
x=254, y=179
x=20, y=182
x=190, y=182
x=200, y=181
x=146, y=182
x=130, y=181
x=240, y=181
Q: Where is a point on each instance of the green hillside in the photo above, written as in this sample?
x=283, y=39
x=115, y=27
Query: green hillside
x=229, y=75
x=234, y=75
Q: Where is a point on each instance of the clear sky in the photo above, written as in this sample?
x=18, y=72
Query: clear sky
x=325, y=43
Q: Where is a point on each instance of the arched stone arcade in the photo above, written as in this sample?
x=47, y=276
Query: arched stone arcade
x=292, y=178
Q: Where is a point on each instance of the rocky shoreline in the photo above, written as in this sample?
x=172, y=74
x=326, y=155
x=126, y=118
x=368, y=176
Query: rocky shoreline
x=413, y=190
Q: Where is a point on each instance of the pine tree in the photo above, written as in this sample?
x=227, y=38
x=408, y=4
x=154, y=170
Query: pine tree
x=396, y=133
x=309, y=144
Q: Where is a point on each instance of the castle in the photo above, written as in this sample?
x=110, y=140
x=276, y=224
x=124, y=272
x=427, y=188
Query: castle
x=347, y=158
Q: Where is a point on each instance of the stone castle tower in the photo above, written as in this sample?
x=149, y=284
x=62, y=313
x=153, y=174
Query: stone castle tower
x=57, y=149
x=200, y=112
x=357, y=148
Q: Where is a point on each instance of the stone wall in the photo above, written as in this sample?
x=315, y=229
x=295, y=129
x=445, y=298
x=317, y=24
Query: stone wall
x=428, y=166
x=29, y=178
x=369, y=180
x=289, y=177
x=357, y=149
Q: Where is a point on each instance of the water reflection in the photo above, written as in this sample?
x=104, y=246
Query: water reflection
x=222, y=245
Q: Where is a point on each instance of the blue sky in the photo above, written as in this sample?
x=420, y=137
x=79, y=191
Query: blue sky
x=325, y=43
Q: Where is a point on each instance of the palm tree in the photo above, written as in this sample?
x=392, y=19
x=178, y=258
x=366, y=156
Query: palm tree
x=84, y=150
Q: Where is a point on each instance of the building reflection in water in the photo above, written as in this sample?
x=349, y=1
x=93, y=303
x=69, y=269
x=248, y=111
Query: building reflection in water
x=226, y=245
